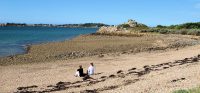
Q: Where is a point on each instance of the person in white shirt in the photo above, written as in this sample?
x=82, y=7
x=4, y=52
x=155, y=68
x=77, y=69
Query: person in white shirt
x=91, y=69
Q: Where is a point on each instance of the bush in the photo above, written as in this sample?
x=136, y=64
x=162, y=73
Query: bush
x=163, y=31
x=195, y=90
x=183, y=32
x=194, y=32
x=160, y=26
x=181, y=91
x=124, y=26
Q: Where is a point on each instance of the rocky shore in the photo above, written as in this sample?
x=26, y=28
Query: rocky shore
x=99, y=45
x=108, y=40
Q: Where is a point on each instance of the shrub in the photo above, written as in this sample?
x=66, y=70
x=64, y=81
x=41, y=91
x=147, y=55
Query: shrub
x=124, y=26
x=163, y=31
x=181, y=91
x=194, y=90
x=183, y=32
x=194, y=32
x=160, y=26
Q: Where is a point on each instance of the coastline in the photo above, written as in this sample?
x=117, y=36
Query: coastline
x=120, y=63
x=97, y=45
x=46, y=76
x=25, y=36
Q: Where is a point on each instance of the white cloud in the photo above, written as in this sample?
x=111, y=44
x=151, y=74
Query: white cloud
x=197, y=6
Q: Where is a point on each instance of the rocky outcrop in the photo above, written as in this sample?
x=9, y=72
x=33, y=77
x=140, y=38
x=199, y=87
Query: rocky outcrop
x=132, y=23
x=122, y=28
x=111, y=29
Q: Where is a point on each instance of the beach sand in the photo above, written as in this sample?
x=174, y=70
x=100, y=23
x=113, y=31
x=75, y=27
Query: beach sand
x=116, y=72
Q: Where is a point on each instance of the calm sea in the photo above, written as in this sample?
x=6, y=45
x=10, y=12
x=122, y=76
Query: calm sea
x=13, y=40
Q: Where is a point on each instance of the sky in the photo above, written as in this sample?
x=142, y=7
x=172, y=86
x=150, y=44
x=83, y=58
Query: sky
x=150, y=12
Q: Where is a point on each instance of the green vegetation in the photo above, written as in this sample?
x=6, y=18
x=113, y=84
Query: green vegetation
x=172, y=31
x=182, y=26
x=186, y=26
x=183, y=29
x=124, y=26
x=195, y=90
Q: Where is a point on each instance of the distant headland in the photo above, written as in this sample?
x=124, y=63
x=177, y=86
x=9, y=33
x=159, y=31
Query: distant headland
x=85, y=25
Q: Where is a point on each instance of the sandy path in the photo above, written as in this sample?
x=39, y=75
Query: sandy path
x=45, y=74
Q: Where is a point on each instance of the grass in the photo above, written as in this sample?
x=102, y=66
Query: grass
x=194, y=90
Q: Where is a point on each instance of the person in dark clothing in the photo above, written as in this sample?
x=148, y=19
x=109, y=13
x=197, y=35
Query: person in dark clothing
x=80, y=72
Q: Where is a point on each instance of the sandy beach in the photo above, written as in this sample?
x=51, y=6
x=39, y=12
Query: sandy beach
x=152, y=70
x=102, y=46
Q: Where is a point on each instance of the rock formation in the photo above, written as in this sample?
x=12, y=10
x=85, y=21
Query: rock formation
x=122, y=28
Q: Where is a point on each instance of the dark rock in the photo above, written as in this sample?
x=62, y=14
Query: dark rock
x=23, y=88
x=103, y=76
x=173, y=80
x=182, y=78
x=195, y=59
x=147, y=69
x=146, y=66
x=186, y=59
x=112, y=76
x=132, y=69
x=167, y=63
x=165, y=67
x=120, y=71
x=198, y=56
x=60, y=83
x=50, y=86
x=89, y=91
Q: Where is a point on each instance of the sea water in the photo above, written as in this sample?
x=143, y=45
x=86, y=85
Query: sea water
x=13, y=40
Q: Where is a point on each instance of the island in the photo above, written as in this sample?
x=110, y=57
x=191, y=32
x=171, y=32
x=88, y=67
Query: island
x=85, y=25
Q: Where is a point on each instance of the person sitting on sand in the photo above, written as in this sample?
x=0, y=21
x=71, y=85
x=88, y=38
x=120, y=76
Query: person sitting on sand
x=79, y=72
x=91, y=69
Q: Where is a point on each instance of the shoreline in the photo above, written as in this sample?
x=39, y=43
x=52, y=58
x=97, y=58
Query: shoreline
x=33, y=36
x=44, y=76
x=122, y=64
x=98, y=44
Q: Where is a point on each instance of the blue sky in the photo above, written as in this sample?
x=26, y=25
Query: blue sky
x=150, y=12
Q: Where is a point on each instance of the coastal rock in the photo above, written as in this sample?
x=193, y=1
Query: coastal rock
x=110, y=29
x=132, y=23
x=121, y=28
